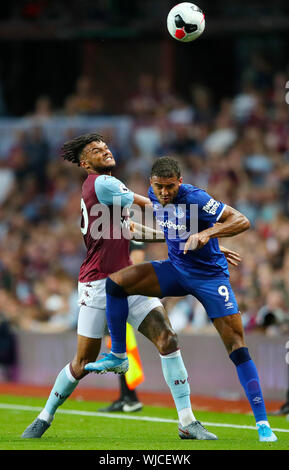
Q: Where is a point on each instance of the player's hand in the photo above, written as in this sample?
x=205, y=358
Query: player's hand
x=232, y=256
x=196, y=241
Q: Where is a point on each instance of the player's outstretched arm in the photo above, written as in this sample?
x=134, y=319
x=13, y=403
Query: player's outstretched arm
x=146, y=234
x=231, y=223
x=143, y=232
x=141, y=201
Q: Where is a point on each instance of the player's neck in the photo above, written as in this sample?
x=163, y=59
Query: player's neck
x=99, y=172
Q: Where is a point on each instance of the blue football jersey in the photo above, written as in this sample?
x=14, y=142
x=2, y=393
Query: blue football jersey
x=192, y=211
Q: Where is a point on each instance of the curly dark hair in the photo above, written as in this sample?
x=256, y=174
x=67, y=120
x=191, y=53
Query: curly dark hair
x=166, y=167
x=72, y=149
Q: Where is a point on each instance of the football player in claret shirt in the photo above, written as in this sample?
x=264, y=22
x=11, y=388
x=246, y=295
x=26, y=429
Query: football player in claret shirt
x=195, y=266
x=107, y=252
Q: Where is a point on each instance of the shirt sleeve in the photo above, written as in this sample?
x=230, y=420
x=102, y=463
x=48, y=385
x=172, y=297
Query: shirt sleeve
x=109, y=190
x=151, y=194
x=209, y=209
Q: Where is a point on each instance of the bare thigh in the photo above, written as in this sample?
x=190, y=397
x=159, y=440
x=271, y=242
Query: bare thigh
x=231, y=330
x=139, y=279
x=87, y=351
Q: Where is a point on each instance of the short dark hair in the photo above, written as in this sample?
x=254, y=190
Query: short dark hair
x=72, y=149
x=166, y=167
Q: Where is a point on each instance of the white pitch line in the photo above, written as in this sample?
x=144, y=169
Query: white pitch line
x=12, y=407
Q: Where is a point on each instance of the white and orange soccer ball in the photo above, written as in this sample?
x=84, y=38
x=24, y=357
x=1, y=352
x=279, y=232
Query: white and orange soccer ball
x=186, y=22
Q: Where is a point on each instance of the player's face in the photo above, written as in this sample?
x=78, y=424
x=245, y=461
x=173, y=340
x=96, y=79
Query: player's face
x=166, y=189
x=97, y=158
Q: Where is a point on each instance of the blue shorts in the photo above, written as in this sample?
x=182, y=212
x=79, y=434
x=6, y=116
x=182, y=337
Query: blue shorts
x=215, y=293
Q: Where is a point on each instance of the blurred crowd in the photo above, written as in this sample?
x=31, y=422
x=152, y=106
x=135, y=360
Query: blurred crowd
x=236, y=149
x=123, y=11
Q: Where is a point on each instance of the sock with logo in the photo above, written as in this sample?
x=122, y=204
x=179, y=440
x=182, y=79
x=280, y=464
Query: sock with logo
x=116, y=315
x=249, y=379
x=176, y=377
x=64, y=385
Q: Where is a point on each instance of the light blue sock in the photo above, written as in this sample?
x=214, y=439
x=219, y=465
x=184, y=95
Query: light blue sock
x=176, y=377
x=64, y=385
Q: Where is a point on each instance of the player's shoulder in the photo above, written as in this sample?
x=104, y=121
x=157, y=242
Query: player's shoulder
x=107, y=186
x=151, y=194
x=94, y=181
x=104, y=179
x=188, y=192
x=107, y=182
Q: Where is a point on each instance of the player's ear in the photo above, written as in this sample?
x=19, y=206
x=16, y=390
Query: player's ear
x=181, y=180
x=83, y=164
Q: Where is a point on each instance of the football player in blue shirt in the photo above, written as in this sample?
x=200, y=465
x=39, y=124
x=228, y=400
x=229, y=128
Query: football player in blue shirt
x=192, y=222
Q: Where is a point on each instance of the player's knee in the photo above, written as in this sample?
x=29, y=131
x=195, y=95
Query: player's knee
x=167, y=342
x=114, y=289
x=77, y=367
x=236, y=342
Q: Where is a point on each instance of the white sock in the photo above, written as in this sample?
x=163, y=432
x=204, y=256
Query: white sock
x=262, y=422
x=45, y=416
x=186, y=416
x=119, y=355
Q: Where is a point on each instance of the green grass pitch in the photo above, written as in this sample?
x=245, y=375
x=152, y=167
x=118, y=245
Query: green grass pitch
x=78, y=426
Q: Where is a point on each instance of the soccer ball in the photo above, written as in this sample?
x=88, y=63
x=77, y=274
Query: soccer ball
x=186, y=22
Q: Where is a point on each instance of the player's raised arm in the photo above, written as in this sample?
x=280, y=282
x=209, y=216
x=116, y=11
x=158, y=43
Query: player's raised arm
x=230, y=223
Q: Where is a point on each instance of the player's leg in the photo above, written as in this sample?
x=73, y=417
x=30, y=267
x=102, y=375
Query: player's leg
x=153, y=279
x=138, y=279
x=149, y=317
x=127, y=401
x=90, y=331
x=231, y=331
x=66, y=382
x=157, y=328
x=69, y=377
x=218, y=299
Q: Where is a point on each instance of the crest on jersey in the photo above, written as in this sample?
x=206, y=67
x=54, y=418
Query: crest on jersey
x=179, y=212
